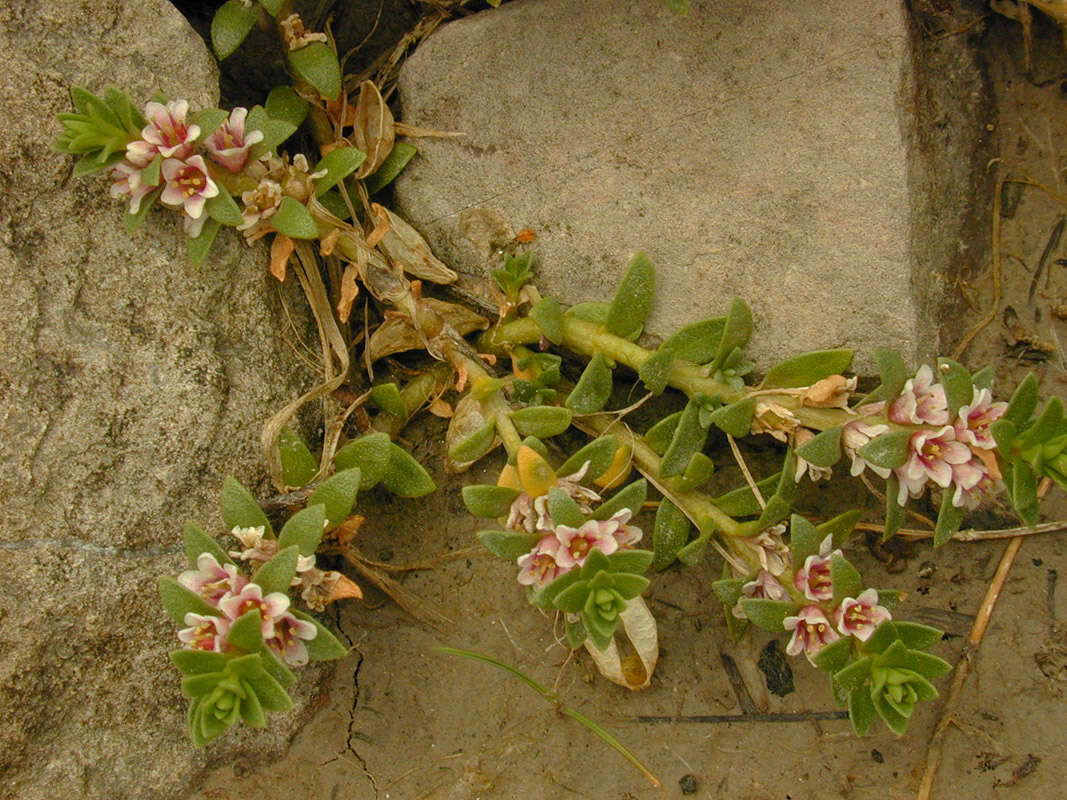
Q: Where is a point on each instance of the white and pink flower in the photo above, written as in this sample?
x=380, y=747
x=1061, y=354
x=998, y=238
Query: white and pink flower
x=858, y=433
x=250, y=598
x=813, y=579
x=921, y=402
x=166, y=133
x=540, y=566
x=933, y=455
x=764, y=585
x=129, y=184
x=771, y=549
x=575, y=543
x=211, y=580
x=973, y=421
x=290, y=634
x=860, y=616
x=205, y=633
x=625, y=534
x=971, y=494
x=230, y=142
x=188, y=185
x=812, y=631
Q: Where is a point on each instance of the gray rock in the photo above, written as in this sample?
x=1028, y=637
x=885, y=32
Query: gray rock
x=130, y=384
x=763, y=150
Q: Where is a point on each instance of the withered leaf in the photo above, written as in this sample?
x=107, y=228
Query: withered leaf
x=349, y=292
x=405, y=247
x=373, y=132
x=396, y=333
x=280, y=250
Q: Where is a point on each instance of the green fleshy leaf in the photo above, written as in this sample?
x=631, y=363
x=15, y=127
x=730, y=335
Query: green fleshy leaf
x=573, y=598
x=317, y=64
x=333, y=203
x=983, y=378
x=689, y=438
x=1047, y=425
x=325, y=646
x=198, y=247
x=633, y=299
x=304, y=530
x=824, y=450
x=590, y=311
x=240, y=509
x=474, y=445
x=275, y=132
x=487, y=501
x=600, y=453
x=661, y=434
x=629, y=585
x=150, y=175
x=575, y=633
x=655, y=370
x=131, y=220
x=337, y=495
x=88, y=165
x=371, y=453
x=889, y=450
x=777, y=509
x=861, y=711
x=546, y=596
x=593, y=388
x=199, y=685
x=404, y=476
x=252, y=711
x=736, y=333
x=1023, y=402
x=298, y=464
x=768, y=614
x=542, y=421
x=247, y=632
x=272, y=6
x=807, y=368
x=282, y=675
x=1005, y=434
x=893, y=372
x=693, y=553
x=179, y=601
x=595, y=561
x=835, y=656
x=631, y=496
x=199, y=662
x=846, y=579
x=549, y=318
x=223, y=208
x=230, y=26
x=339, y=163
x=393, y=165
x=697, y=343
x=286, y=105
x=271, y=694
x=508, y=544
x=388, y=398
x=670, y=534
x=924, y=664
x=840, y=527
x=196, y=542
x=563, y=509
x=278, y=573
x=854, y=676
x=736, y=418
x=959, y=390
x=698, y=472
x=804, y=540
x=740, y=502
x=294, y=220
x=1024, y=491
x=916, y=636
x=630, y=561
x=948, y=519
x=882, y=638
x=208, y=120
x=894, y=512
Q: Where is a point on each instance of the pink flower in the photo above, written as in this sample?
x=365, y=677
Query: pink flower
x=861, y=615
x=129, y=184
x=539, y=567
x=259, y=206
x=166, y=133
x=811, y=632
x=250, y=598
x=771, y=549
x=625, y=535
x=973, y=421
x=290, y=634
x=855, y=435
x=211, y=580
x=922, y=402
x=813, y=579
x=205, y=633
x=188, y=185
x=970, y=493
x=230, y=143
x=764, y=586
x=575, y=543
x=934, y=455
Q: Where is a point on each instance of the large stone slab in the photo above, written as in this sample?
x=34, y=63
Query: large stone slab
x=752, y=149
x=130, y=384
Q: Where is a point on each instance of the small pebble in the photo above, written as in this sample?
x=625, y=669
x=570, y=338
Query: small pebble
x=1037, y=562
x=688, y=784
x=877, y=756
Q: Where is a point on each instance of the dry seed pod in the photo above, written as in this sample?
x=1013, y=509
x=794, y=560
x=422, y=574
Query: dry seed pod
x=373, y=133
x=405, y=247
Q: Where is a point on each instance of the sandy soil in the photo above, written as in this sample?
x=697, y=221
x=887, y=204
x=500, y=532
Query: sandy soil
x=399, y=720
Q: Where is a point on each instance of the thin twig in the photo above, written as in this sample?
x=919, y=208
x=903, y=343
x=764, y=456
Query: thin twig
x=744, y=471
x=972, y=534
x=963, y=668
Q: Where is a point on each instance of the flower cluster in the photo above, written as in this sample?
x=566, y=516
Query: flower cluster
x=170, y=157
x=954, y=453
x=224, y=588
x=564, y=548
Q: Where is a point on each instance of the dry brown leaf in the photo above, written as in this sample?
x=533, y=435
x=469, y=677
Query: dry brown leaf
x=396, y=334
x=349, y=292
x=328, y=242
x=373, y=132
x=405, y=247
x=347, y=530
x=280, y=250
x=439, y=408
x=343, y=588
x=831, y=392
x=381, y=228
x=486, y=229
